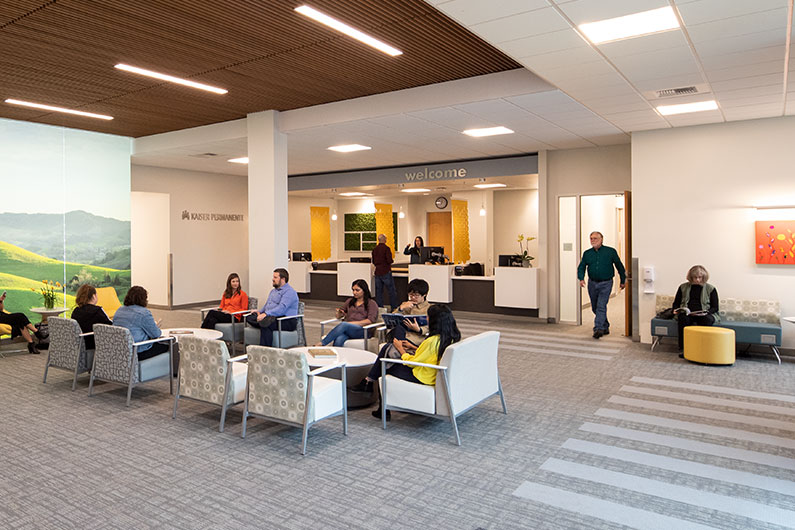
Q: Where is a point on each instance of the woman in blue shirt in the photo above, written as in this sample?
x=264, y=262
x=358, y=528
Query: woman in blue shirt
x=134, y=316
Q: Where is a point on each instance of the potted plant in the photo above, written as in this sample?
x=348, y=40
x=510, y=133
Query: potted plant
x=523, y=255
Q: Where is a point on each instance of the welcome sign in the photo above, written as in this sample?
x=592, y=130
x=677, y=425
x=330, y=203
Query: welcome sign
x=436, y=174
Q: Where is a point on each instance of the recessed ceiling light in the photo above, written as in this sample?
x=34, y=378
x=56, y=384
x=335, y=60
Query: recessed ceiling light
x=488, y=131
x=170, y=78
x=415, y=190
x=342, y=27
x=667, y=110
x=627, y=27
x=58, y=109
x=353, y=194
x=494, y=185
x=348, y=148
x=241, y=160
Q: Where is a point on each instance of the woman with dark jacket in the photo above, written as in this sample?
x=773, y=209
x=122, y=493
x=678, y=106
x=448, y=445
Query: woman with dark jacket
x=696, y=302
x=87, y=313
x=414, y=251
x=20, y=325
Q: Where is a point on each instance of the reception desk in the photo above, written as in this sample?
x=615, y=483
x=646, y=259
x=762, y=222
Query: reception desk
x=299, y=276
x=516, y=287
x=347, y=273
x=439, y=278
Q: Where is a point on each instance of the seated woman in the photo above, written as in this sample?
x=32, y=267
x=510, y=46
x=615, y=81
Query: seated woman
x=696, y=302
x=20, y=325
x=134, y=316
x=359, y=311
x=414, y=251
x=233, y=299
x=443, y=331
x=87, y=313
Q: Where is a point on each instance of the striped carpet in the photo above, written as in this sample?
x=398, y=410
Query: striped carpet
x=599, y=434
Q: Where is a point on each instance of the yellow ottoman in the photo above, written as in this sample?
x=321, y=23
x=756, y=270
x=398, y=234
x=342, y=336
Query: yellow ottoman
x=709, y=345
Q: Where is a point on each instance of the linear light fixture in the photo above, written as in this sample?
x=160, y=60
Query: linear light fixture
x=415, y=190
x=629, y=26
x=667, y=110
x=774, y=207
x=241, y=160
x=353, y=194
x=342, y=27
x=494, y=185
x=170, y=78
x=58, y=109
x=488, y=131
x=349, y=148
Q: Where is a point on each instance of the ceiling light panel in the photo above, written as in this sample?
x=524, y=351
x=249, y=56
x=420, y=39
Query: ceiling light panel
x=340, y=26
x=699, y=106
x=349, y=148
x=170, y=78
x=42, y=106
x=241, y=160
x=415, y=190
x=487, y=131
x=492, y=185
x=353, y=194
x=630, y=26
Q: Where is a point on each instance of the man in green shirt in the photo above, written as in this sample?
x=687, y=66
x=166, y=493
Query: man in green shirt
x=599, y=261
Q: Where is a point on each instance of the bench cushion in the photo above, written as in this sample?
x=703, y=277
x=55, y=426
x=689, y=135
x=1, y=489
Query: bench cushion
x=755, y=332
x=663, y=328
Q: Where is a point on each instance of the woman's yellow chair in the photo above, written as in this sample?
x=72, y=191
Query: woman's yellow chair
x=108, y=300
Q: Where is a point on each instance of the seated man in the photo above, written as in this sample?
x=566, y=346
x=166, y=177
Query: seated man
x=282, y=302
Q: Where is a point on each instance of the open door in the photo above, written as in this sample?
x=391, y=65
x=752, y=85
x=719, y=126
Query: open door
x=627, y=260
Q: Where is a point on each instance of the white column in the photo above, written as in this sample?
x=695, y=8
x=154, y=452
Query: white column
x=267, y=201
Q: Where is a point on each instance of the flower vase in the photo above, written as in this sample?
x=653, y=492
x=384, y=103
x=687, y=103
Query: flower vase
x=49, y=304
x=526, y=263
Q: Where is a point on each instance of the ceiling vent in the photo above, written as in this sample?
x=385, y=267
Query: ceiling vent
x=676, y=92
x=204, y=155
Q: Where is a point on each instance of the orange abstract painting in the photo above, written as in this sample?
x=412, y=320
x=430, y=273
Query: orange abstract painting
x=775, y=242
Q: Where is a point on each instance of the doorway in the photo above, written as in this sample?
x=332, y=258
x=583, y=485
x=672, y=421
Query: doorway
x=440, y=231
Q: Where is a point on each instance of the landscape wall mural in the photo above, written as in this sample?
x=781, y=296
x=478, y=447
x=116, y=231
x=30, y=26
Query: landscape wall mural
x=64, y=213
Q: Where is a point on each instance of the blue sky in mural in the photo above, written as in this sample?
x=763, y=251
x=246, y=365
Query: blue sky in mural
x=77, y=170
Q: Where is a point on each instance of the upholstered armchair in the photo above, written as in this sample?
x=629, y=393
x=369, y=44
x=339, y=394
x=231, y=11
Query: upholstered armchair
x=282, y=338
x=116, y=359
x=372, y=333
x=466, y=375
x=281, y=388
x=233, y=330
x=68, y=348
x=207, y=373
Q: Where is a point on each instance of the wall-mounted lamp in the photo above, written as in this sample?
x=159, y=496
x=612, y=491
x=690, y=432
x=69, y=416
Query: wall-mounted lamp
x=482, y=210
x=401, y=214
x=334, y=215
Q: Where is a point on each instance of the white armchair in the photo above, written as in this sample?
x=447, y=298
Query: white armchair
x=372, y=333
x=207, y=373
x=467, y=375
x=281, y=388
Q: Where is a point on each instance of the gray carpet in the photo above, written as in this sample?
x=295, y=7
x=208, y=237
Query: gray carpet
x=599, y=434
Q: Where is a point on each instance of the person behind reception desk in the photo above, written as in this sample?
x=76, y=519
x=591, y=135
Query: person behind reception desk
x=359, y=311
x=20, y=325
x=282, y=302
x=414, y=251
x=382, y=261
x=134, y=316
x=233, y=299
x=87, y=313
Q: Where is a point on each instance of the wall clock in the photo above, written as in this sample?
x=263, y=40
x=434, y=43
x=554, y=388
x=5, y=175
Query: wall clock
x=441, y=202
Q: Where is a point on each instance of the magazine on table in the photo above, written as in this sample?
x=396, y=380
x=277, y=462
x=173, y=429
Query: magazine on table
x=393, y=320
x=687, y=311
x=323, y=353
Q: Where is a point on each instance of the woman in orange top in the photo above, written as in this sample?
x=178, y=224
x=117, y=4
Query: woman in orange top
x=233, y=300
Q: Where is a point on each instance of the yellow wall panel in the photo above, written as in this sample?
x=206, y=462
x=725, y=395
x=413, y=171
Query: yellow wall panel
x=321, y=232
x=460, y=231
x=384, y=225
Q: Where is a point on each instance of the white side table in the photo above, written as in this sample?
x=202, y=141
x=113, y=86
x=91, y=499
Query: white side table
x=47, y=313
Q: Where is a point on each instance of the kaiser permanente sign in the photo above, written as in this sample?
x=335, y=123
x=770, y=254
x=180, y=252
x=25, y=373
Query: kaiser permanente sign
x=494, y=167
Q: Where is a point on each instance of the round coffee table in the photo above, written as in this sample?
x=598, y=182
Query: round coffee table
x=177, y=333
x=357, y=364
x=47, y=313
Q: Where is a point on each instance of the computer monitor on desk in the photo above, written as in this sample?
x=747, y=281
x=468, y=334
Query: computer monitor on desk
x=302, y=256
x=431, y=254
x=360, y=259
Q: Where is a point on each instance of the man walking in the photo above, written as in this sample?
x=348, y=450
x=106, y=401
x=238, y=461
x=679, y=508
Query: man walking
x=382, y=260
x=282, y=302
x=599, y=260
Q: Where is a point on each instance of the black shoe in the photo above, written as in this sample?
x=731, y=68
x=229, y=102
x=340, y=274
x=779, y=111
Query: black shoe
x=32, y=348
x=606, y=332
x=377, y=414
x=41, y=335
x=681, y=355
x=363, y=386
x=598, y=333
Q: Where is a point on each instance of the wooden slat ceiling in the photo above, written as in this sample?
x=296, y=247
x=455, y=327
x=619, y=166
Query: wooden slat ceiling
x=62, y=53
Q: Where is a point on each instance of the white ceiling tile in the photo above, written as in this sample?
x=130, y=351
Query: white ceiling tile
x=709, y=10
x=744, y=70
x=536, y=22
x=649, y=43
x=648, y=127
x=674, y=61
x=611, y=139
x=582, y=11
x=748, y=82
x=753, y=111
x=739, y=93
x=695, y=118
x=750, y=100
x=469, y=12
x=772, y=20
x=790, y=104
x=669, y=81
x=540, y=44
x=572, y=57
x=741, y=43
x=743, y=58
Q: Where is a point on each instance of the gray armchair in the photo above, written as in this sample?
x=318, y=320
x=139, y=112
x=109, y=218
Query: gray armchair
x=116, y=359
x=68, y=348
x=233, y=330
x=281, y=338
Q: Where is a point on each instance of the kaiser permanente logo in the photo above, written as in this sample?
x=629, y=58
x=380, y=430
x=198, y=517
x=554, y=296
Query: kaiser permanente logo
x=436, y=174
x=193, y=216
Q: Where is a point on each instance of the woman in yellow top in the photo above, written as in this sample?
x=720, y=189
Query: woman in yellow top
x=442, y=332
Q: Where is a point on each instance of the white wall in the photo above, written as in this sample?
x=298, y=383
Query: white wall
x=150, y=242
x=590, y=171
x=693, y=192
x=204, y=252
x=300, y=223
x=515, y=212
